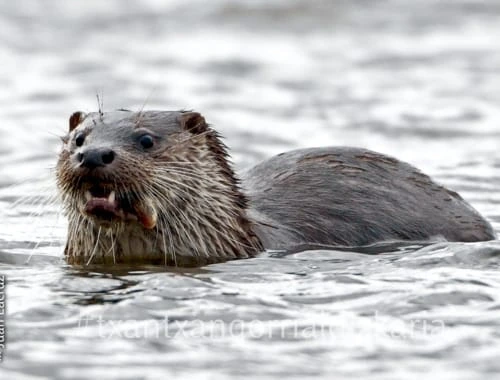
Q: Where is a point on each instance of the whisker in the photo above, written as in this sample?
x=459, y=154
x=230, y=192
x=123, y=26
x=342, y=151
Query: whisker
x=95, y=247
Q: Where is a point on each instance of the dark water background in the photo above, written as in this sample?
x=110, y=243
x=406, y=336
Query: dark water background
x=419, y=80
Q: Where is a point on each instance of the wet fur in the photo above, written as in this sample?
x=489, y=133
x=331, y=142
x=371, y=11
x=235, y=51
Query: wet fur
x=201, y=210
x=351, y=196
x=332, y=196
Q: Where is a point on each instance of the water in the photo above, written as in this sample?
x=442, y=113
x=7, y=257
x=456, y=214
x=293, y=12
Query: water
x=416, y=80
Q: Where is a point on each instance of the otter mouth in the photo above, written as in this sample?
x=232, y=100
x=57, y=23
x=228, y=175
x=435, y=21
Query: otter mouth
x=105, y=207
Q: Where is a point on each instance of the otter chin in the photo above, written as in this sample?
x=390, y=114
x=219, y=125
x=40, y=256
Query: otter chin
x=158, y=187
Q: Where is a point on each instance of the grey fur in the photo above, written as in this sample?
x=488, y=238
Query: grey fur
x=352, y=196
x=320, y=196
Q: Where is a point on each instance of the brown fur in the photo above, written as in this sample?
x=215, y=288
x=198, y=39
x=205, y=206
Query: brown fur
x=177, y=201
x=188, y=181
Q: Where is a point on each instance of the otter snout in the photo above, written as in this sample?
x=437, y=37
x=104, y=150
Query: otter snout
x=96, y=157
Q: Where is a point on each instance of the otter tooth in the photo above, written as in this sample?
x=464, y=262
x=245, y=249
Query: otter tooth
x=112, y=197
x=88, y=196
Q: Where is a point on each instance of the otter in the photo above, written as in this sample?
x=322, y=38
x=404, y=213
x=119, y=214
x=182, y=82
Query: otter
x=158, y=187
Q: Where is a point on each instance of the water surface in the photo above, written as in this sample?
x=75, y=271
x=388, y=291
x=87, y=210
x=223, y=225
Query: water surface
x=416, y=80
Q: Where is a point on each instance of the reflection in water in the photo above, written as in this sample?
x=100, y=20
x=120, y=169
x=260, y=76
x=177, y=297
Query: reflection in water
x=416, y=80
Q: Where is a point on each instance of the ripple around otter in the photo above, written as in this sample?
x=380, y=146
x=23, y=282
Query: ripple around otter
x=415, y=80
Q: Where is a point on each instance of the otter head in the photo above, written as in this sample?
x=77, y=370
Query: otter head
x=150, y=187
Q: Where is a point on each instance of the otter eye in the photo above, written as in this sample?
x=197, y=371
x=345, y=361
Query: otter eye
x=79, y=139
x=146, y=141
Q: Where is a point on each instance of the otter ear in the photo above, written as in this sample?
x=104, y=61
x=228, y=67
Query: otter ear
x=193, y=122
x=76, y=119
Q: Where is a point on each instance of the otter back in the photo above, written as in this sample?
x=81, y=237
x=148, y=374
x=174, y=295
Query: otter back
x=353, y=197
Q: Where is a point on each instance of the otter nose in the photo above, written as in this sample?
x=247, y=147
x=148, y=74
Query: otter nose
x=94, y=158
